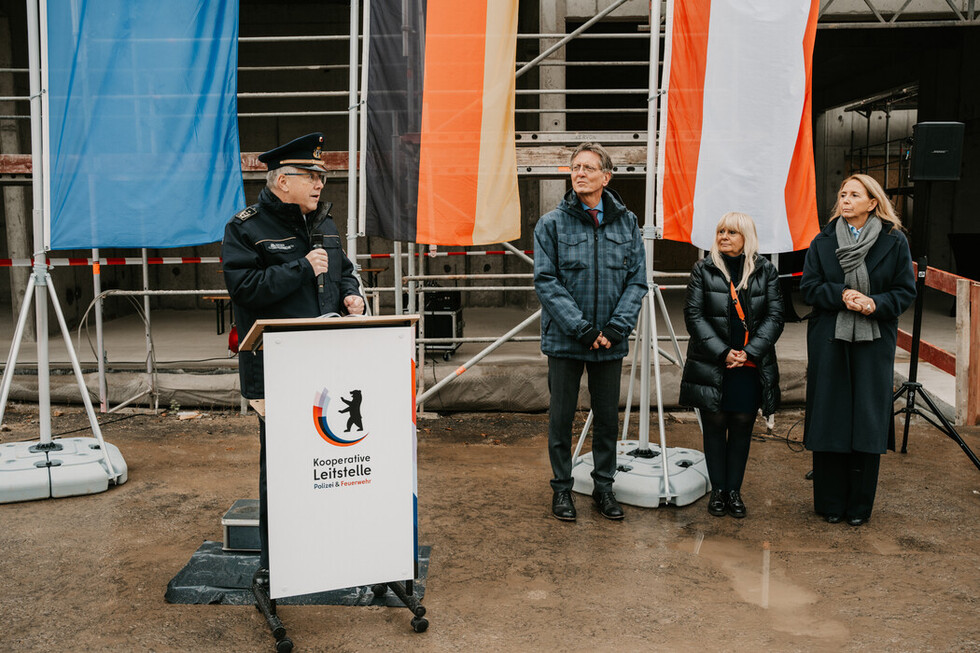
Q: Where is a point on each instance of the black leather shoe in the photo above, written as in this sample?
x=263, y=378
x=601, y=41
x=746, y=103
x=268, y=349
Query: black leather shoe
x=833, y=519
x=562, y=507
x=716, y=504
x=734, y=504
x=856, y=521
x=607, y=505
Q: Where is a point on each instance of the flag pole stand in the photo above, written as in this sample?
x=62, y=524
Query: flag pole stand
x=648, y=475
x=49, y=468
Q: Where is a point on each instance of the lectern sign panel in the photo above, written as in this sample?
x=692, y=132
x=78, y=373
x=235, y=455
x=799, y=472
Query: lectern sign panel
x=340, y=448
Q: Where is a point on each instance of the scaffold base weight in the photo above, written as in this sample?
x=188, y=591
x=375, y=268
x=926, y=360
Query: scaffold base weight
x=640, y=479
x=63, y=468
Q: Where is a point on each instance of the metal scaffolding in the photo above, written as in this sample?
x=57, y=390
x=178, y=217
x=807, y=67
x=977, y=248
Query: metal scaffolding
x=542, y=153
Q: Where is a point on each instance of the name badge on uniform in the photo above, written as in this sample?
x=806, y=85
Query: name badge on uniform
x=280, y=247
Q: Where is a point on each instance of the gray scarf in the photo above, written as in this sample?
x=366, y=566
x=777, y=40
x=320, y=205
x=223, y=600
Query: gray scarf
x=851, y=325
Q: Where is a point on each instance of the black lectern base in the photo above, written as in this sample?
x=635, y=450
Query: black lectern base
x=214, y=576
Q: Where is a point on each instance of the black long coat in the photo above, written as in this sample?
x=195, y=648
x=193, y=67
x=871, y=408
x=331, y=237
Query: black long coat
x=706, y=315
x=849, y=385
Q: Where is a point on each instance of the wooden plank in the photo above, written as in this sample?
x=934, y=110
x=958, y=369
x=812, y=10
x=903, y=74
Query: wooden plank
x=940, y=280
x=962, y=349
x=258, y=405
x=973, y=376
x=15, y=164
x=253, y=339
x=929, y=353
x=332, y=161
x=528, y=155
x=558, y=155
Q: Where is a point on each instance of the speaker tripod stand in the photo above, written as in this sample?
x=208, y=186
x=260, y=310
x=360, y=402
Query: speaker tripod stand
x=911, y=388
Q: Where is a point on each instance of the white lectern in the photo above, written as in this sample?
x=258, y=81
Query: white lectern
x=340, y=454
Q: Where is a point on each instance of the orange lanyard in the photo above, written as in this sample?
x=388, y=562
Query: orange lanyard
x=739, y=311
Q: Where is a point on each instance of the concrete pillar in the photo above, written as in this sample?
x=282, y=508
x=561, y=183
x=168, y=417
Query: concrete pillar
x=15, y=209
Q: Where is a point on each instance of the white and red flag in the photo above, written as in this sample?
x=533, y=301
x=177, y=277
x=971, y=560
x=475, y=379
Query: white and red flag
x=735, y=126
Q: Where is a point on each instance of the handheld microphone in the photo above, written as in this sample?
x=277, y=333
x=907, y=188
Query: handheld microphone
x=320, y=278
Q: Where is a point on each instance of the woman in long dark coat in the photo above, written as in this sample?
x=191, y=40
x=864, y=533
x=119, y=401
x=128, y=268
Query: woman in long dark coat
x=731, y=366
x=858, y=278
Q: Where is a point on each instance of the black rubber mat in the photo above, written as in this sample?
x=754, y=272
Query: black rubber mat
x=216, y=577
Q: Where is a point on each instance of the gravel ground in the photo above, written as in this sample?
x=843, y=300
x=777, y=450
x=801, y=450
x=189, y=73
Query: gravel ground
x=89, y=573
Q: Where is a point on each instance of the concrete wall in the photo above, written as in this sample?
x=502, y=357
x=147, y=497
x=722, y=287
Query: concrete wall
x=837, y=133
x=850, y=65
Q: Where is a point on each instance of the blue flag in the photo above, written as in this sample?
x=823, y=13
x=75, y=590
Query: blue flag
x=142, y=122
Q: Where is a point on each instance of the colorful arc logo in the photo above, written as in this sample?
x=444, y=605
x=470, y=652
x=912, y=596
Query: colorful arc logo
x=320, y=403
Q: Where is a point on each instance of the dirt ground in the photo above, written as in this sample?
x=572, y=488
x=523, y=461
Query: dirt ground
x=89, y=573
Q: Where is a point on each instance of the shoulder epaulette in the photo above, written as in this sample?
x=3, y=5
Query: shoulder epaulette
x=247, y=213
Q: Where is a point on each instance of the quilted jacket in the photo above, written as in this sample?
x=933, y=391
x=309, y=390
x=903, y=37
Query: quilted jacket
x=706, y=315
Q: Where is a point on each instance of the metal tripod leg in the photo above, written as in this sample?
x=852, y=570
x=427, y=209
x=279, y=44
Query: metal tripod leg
x=673, y=338
x=40, y=287
x=909, y=407
x=8, y=370
x=913, y=388
x=267, y=606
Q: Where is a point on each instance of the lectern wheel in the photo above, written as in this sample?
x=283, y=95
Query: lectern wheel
x=379, y=590
x=284, y=645
x=420, y=624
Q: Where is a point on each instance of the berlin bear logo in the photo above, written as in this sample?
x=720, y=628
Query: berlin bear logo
x=353, y=410
x=321, y=404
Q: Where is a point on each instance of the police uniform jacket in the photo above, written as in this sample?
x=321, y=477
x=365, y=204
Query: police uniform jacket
x=588, y=278
x=263, y=259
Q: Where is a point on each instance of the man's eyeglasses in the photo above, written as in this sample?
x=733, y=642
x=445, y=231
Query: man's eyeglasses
x=312, y=176
x=589, y=170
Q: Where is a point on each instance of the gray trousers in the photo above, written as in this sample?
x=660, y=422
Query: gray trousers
x=564, y=378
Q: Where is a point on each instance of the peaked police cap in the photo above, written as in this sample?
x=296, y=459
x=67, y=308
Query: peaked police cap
x=303, y=152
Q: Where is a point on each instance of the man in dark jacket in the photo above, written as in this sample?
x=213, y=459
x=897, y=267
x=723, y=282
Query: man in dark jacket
x=590, y=276
x=282, y=258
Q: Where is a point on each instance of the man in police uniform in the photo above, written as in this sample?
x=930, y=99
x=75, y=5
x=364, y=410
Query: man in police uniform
x=282, y=258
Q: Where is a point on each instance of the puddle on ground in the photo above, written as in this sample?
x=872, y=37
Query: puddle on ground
x=886, y=547
x=756, y=582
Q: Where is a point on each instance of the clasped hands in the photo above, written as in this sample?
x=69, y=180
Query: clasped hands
x=601, y=342
x=736, y=359
x=858, y=302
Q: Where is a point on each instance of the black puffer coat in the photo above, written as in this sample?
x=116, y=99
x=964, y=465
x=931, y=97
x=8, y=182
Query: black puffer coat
x=706, y=314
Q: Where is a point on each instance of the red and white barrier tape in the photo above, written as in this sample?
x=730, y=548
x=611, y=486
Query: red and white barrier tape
x=529, y=252
x=127, y=260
